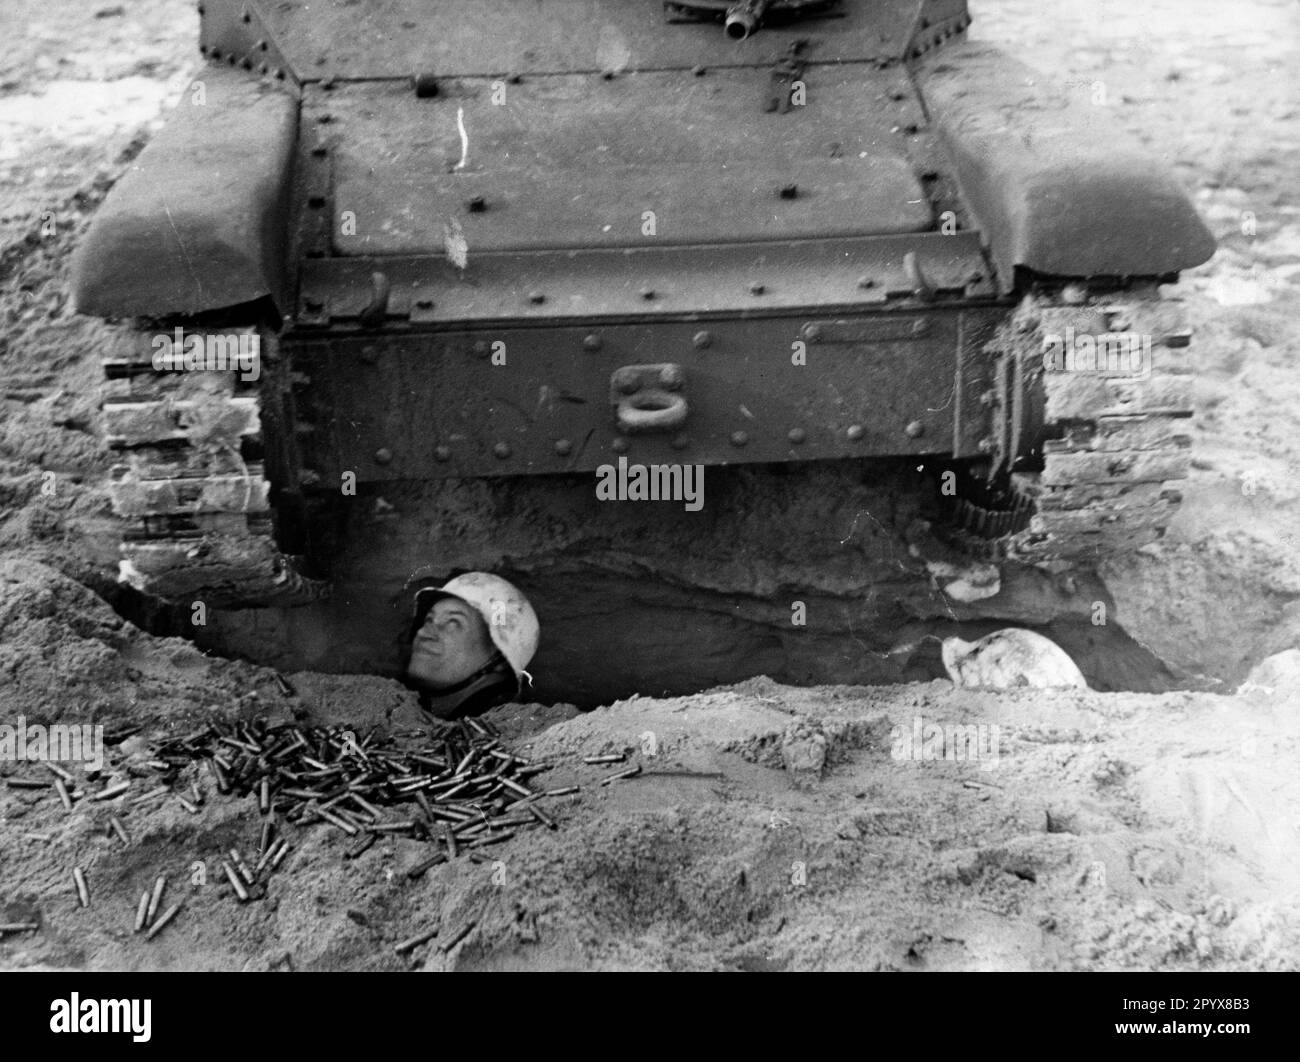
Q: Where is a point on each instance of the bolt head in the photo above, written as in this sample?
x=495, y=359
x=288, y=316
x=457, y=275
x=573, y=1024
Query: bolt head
x=702, y=340
x=592, y=341
x=920, y=327
x=442, y=453
x=812, y=333
x=536, y=298
x=671, y=378
x=915, y=429
x=739, y=438
x=563, y=447
x=855, y=432
x=619, y=445
x=796, y=435
x=501, y=450
x=383, y=456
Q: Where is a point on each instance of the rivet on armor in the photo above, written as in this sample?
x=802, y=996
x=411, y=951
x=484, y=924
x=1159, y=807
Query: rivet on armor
x=796, y=435
x=563, y=447
x=739, y=438
x=502, y=450
x=855, y=432
x=915, y=429
x=592, y=341
x=383, y=455
x=619, y=445
x=702, y=340
x=442, y=453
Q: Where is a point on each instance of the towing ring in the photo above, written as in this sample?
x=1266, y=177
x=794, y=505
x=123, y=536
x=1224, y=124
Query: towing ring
x=651, y=409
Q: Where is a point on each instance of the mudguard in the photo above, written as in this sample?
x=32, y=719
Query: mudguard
x=200, y=221
x=1054, y=184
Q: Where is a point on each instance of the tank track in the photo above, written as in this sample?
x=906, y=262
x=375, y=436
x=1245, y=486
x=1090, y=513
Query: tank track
x=191, y=489
x=1108, y=446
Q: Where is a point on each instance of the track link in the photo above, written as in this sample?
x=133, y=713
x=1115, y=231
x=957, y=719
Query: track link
x=191, y=488
x=1109, y=443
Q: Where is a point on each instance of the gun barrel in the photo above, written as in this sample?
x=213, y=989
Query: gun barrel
x=743, y=18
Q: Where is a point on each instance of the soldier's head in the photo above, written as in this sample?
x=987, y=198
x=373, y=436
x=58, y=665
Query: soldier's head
x=477, y=624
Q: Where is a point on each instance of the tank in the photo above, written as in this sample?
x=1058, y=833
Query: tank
x=874, y=323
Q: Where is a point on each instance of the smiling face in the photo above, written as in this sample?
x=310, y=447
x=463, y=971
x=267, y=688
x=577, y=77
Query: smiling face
x=452, y=644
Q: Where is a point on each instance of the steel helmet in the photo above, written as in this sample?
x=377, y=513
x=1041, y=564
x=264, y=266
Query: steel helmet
x=511, y=622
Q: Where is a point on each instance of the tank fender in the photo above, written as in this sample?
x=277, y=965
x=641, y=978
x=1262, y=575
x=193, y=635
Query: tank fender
x=1052, y=181
x=200, y=221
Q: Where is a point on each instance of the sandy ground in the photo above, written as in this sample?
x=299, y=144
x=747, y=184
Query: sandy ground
x=1111, y=831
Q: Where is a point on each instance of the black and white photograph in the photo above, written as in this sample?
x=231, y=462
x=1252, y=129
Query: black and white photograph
x=651, y=486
